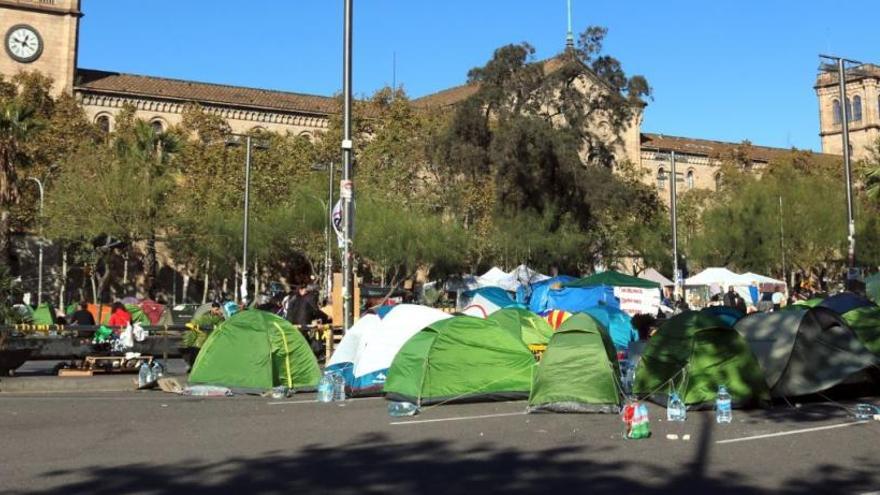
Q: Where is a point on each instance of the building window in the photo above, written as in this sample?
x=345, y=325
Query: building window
x=848, y=110
x=661, y=178
x=157, y=126
x=689, y=179
x=836, y=105
x=718, y=181
x=857, y=108
x=103, y=122
x=850, y=148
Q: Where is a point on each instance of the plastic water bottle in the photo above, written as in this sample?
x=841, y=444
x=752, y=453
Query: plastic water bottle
x=325, y=387
x=675, y=408
x=157, y=370
x=723, y=412
x=145, y=375
x=338, y=387
x=626, y=375
x=401, y=409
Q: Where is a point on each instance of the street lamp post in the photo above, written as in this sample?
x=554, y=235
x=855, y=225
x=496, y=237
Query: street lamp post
x=346, y=192
x=247, y=191
x=840, y=67
x=40, y=245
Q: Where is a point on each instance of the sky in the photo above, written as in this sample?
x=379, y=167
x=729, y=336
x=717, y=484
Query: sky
x=729, y=70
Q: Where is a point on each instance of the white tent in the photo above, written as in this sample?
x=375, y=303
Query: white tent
x=718, y=276
x=523, y=275
x=761, y=279
x=495, y=277
x=378, y=344
x=655, y=276
x=352, y=344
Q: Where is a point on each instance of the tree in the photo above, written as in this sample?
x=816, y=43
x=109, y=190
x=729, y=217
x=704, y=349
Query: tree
x=19, y=123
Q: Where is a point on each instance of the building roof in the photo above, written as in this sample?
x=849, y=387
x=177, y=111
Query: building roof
x=158, y=87
x=706, y=147
x=864, y=71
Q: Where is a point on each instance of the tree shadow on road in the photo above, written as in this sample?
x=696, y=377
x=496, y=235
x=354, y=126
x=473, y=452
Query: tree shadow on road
x=374, y=463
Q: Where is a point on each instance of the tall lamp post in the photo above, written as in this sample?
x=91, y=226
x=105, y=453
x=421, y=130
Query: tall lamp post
x=40, y=245
x=839, y=65
x=247, y=191
x=346, y=192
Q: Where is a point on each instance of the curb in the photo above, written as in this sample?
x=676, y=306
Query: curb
x=58, y=385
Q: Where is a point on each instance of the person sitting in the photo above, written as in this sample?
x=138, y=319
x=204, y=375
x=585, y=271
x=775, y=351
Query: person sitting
x=119, y=317
x=82, y=316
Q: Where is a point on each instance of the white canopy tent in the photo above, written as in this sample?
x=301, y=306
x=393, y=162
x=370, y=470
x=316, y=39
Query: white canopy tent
x=512, y=281
x=761, y=279
x=718, y=276
x=655, y=276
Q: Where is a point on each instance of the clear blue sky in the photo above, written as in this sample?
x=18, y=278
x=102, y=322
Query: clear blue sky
x=727, y=70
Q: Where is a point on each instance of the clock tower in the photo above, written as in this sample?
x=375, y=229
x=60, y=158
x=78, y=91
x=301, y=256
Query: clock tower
x=40, y=35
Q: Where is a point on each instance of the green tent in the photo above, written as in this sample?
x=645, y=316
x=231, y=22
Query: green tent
x=460, y=359
x=44, y=315
x=614, y=279
x=865, y=323
x=693, y=353
x=523, y=324
x=809, y=303
x=578, y=372
x=256, y=350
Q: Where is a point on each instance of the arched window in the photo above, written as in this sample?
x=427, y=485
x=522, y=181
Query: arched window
x=689, y=179
x=158, y=126
x=848, y=110
x=836, y=105
x=718, y=181
x=850, y=148
x=661, y=178
x=103, y=122
x=857, y=108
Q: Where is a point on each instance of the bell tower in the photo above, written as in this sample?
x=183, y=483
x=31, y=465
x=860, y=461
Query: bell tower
x=40, y=35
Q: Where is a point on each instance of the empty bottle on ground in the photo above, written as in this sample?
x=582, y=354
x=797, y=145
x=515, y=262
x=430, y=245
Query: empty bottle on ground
x=145, y=375
x=675, y=408
x=325, y=387
x=338, y=387
x=401, y=409
x=723, y=412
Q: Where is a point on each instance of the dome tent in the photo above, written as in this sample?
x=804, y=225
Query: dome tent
x=461, y=359
x=617, y=323
x=256, y=350
x=862, y=316
x=804, y=351
x=377, y=342
x=522, y=323
x=578, y=372
x=694, y=353
x=726, y=313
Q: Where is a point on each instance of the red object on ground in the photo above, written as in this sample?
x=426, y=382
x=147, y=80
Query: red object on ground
x=120, y=318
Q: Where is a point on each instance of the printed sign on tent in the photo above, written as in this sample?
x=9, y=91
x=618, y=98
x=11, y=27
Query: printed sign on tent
x=634, y=300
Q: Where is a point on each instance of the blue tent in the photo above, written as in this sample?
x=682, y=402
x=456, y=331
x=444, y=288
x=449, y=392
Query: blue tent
x=577, y=299
x=618, y=324
x=845, y=302
x=495, y=295
x=536, y=295
x=726, y=313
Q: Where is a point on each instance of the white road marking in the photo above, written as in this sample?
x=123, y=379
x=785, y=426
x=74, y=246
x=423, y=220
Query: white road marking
x=792, y=432
x=459, y=418
x=313, y=401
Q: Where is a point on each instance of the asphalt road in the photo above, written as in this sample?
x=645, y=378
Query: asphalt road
x=150, y=442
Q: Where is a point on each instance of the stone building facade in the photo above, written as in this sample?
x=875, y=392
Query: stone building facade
x=862, y=108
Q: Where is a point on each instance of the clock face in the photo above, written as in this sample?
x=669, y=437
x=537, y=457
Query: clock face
x=23, y=43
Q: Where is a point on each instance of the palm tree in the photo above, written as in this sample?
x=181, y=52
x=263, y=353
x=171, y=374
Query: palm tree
x=18, y=124
x=151, y=151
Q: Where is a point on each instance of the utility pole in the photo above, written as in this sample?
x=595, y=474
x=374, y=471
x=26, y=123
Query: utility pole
x=782, y=240
x=346, y=191
x=847, y=165
x=328, y=256
x=244, y=247
x=676, y=275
